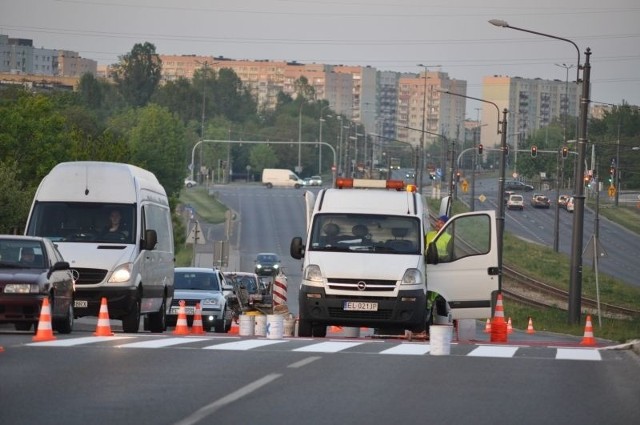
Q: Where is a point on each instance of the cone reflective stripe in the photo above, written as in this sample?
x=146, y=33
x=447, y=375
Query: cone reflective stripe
x=280, y=290
x=499, y=308
x=487, y=327
x=197, y=322
x=45, y=331
x=103, y=328
x=509, y=326
x=588, y=338
x=530, y=329
x=182, y=328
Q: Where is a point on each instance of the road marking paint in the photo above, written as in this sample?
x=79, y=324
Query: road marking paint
x=246, y=344
x=493, y=351
x=408, y=349
x=304, y=362
x=77, y=341
x=328, y=347
x=159, y=343
x=577, y=354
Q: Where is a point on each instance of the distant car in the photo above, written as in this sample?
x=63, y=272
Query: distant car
x=515, y=202
x=315, y=181
x=267, y=264
x=205, y=286
x=507, y=194
x=569, y=205
x=517, y=185
x=32, y=269
x=306, y=181
x=190, y=183
x=562, y=201
x=540, y=201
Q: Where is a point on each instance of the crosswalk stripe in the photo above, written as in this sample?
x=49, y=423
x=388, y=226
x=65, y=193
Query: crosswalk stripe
x=493, y=351
x=77, y=341
x=408, y=349
x=577, y=354
x=159, y=343
x=246, y=344
x=328, y=347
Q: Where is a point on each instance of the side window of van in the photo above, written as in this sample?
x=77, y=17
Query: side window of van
x=157, y=218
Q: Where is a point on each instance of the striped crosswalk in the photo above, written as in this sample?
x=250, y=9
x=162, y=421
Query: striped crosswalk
x=302, y=345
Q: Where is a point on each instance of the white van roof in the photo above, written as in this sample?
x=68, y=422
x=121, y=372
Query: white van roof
x=370, y=201
x=94, y=181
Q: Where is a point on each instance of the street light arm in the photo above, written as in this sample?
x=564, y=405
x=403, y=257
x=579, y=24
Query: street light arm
x=479, y=100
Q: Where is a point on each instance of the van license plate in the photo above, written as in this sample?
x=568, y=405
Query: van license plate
x=360, y=306
x=80, y=304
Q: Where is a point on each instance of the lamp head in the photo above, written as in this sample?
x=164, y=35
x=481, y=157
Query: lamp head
x=499, y=23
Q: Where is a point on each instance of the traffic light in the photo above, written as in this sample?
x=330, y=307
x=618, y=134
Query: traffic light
x=565, y=151
x=506, y=150
x=534, y=151
x=480, y=147
x=458, y=176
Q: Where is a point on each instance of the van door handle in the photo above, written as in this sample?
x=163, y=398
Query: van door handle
x=493, y=271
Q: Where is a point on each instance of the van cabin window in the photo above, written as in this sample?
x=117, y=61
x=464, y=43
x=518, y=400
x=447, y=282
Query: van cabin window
x=463, y=237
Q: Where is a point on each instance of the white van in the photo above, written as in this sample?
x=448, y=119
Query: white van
x=365, y=262
x=280, y=177
x=132, y=267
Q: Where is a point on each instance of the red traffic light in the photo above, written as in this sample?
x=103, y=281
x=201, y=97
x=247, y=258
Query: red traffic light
x=480, y=147
x=565, y=151
x=534, y=151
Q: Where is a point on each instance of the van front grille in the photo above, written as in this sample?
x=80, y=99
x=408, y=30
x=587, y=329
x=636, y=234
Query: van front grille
x=90, y=276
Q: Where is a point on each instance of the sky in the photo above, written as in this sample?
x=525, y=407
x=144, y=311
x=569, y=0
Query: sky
x=389, y=35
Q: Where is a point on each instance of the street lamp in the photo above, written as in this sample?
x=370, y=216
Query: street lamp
x=502, y=130
x=299, y=167
x=420, y=161
x=413, y=151
x=575, y=283
x=320, y=140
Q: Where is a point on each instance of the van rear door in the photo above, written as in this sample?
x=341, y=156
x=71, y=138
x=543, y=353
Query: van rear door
x=466, y=274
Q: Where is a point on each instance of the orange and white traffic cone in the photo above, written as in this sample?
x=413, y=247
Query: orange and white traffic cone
x=487, y=327
x=103, y=328
x=45, y=331
x=182, y=328
x=509, y=326
x=588, y=338
x=498, y=324
x=530, y=329
x=197, y=328
x=235, y=328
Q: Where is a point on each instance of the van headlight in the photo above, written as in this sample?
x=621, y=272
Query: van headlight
x=412, y=277
x=121, y=274
x=312, y=273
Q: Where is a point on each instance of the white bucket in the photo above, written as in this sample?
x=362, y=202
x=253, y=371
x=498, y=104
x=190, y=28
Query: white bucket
x=440, y=339
x=247, y=325
x=275, y=326
x=261, y=325
x=350, y=332
x=289, y=325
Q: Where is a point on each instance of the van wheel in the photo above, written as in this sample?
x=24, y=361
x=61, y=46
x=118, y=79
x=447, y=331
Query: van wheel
x=65, y=325
x=158, y=321
x=319, y=331
x=304, y=328
x=131, y=322
x=269, y=185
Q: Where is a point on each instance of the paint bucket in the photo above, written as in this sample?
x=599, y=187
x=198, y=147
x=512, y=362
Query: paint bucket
x=350, y=332
x=261, y=325
x=275, y=326
x=440, y=339
x=289, y=325
x=247, y=325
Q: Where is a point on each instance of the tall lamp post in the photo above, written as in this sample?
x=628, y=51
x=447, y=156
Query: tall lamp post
x=575, y=283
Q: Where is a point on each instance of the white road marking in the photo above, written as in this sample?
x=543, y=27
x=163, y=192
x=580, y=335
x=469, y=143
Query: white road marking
x=246, y=344
x=493, y=351
x=159, y=343
x=578, y=354
x=408, y=349
x=77, y=341
x=328, y=347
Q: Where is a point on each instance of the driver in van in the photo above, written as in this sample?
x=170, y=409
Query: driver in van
x=115, y=223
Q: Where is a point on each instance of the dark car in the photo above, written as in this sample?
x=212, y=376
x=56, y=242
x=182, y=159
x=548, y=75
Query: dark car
x=517, y=185
x=540, y=201
x=32, y=269
x=267, y=264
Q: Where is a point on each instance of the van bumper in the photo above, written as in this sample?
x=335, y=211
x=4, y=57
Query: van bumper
x=120, y=301
x=406, y=311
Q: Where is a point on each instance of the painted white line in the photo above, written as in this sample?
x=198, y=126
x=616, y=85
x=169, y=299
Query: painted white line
x=77, y=341
x=159, y=343
x=209, y=409
x=304, y=362
x=493, y=351
x=246, y=344
x=328, y=347
x=578, y=354
x=408, y=349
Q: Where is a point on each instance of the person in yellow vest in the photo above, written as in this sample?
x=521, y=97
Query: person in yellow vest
x=442, y=244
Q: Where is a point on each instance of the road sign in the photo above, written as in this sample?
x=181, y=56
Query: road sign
x=612, y=191
x=482, y=198
x=195, y=235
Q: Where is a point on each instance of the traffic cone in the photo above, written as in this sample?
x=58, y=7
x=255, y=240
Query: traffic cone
x=487, y=327
x=103, y=328
x=498, y=324
x=335, y=329
x=45, y=331
x=235, y=328
x=530, y=329
x=588, y=338
x=182, y=328
x=197, y=328
x=509, y=326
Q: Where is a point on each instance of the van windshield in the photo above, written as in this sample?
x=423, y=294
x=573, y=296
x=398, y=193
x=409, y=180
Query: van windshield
x=84, y=222
x=366, y=233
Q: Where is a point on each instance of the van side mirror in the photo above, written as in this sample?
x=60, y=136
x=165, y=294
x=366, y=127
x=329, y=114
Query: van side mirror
x=150, y=240
x=297, y=248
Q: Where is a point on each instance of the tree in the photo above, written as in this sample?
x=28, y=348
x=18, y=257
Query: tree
x=138, y=74
x=90, y=91
x=262, y=156
x=14, y=198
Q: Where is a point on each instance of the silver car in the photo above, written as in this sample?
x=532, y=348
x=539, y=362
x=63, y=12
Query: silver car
x=205, y=286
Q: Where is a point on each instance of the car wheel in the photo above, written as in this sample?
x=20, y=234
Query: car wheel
x=319, y=331
x=206, y=326
x=23, y=326
x=131, y=322
x=304, y=328
x=65, y=325
x=158, y=321
x=221, y=324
